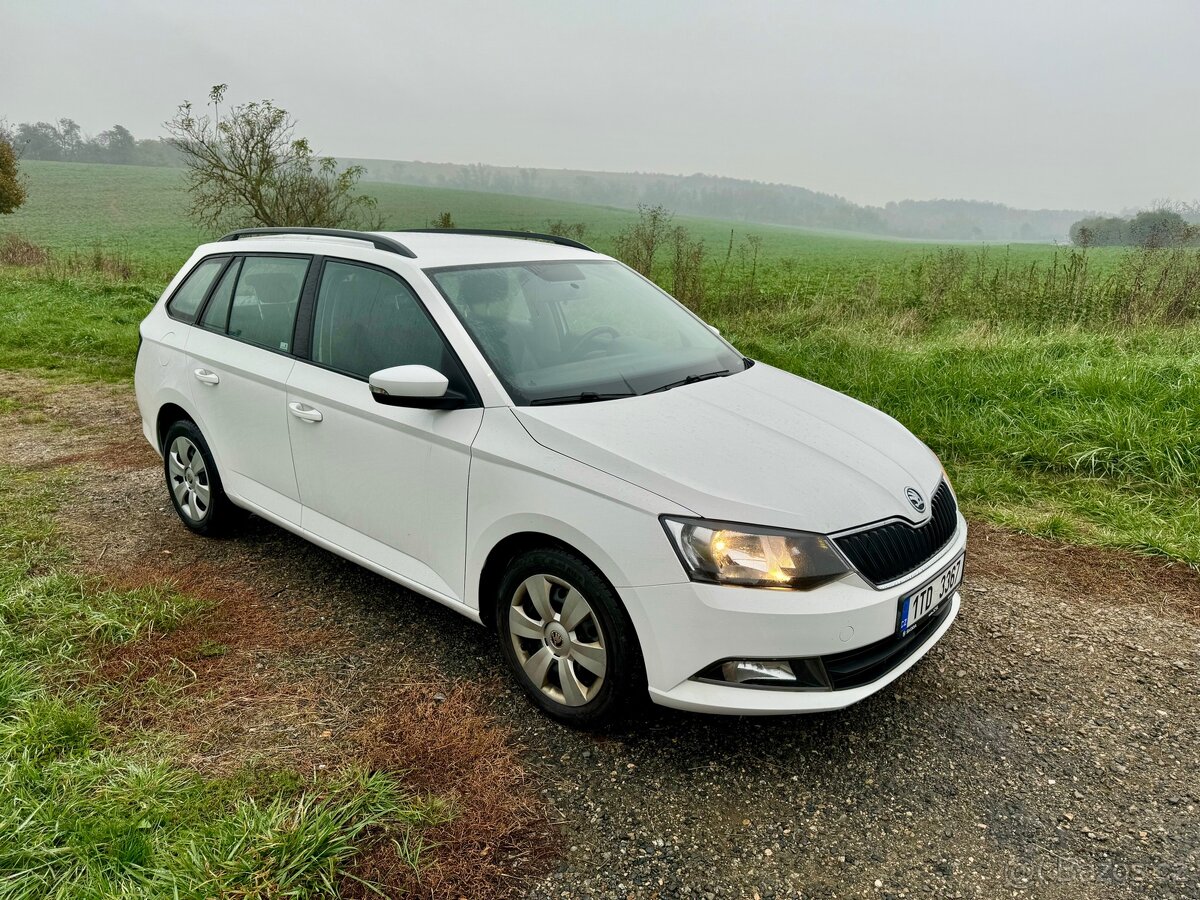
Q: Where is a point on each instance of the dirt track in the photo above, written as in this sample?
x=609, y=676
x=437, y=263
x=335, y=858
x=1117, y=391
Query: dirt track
x=1048, y=747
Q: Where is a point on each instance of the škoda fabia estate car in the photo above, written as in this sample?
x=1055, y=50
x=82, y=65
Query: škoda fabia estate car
x=532, y=434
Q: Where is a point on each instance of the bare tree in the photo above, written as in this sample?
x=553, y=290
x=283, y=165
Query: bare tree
x=249, y=168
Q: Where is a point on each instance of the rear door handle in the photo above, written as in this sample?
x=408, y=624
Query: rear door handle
x=305, y=413
x=206, y=377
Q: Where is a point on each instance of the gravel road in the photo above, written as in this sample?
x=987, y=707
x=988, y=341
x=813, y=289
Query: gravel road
x=1048, y=747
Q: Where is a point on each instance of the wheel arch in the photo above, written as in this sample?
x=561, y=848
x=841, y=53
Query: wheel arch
x=172, y=409
x=509, y=548
x=168, y=414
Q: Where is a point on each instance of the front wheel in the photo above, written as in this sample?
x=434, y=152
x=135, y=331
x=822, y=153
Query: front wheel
x=568, y=640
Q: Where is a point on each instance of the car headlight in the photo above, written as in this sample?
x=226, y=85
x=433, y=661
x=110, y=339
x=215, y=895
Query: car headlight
x=729, y=553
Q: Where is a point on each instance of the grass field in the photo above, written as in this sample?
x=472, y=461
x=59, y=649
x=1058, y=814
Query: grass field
x=141, y=210
x=1059, y=388
x=91, y=810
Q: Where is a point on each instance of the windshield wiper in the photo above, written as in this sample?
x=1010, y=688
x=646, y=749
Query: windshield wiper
x=691, y=379
x=582, y=397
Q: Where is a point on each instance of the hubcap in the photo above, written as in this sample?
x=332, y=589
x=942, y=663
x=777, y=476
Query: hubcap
x=187, y=476
x=557, y=639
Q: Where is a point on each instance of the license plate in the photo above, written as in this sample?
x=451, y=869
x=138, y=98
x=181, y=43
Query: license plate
x=929, y=596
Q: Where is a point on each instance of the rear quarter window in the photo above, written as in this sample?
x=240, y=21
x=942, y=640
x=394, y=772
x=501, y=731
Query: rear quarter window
x=188, y=296
x=216, y=314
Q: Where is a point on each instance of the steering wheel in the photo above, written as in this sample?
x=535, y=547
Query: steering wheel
x=591, y=335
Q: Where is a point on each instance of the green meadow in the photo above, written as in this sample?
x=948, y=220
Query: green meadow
x=142, y=210
x=1059, y=387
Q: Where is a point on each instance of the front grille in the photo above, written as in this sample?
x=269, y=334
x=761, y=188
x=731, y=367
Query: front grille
x=887, y=552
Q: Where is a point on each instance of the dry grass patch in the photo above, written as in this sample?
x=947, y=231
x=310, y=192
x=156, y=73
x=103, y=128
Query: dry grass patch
x=216, y=680
x=446, y=742
x=127, y=454
x=244, y=682
x=1088, y=574
x=16, y=251
x=242, y=686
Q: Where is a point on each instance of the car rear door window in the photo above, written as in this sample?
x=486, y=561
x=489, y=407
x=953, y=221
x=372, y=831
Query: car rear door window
x=367, y=319
x=191, y=293
x=263, y=309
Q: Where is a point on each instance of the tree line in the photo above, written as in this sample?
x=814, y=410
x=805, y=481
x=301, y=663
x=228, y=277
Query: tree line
x=738, y=199
x=65, y=141
x=1150, y=228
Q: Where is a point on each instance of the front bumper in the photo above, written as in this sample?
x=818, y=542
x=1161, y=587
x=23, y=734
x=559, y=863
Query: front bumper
x=686, y=628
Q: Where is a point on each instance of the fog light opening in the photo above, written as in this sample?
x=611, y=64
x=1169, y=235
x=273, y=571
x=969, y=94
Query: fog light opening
x=758, y=671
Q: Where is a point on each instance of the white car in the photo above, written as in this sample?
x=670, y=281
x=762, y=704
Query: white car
x=532, y=434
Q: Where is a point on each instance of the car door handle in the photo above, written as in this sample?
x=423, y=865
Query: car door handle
x=305, y=413
x=206, y=377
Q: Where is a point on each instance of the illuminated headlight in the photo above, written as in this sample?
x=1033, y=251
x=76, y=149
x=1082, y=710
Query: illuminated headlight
x=727, y=553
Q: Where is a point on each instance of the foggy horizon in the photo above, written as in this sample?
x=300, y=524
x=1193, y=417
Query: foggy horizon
x=1080, y=107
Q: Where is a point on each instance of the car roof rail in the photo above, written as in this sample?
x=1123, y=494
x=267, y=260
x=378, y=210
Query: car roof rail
x=379, y=242
x=492, y=232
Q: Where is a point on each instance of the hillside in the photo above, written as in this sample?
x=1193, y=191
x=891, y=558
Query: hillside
x=740, y=200
x=710, y=196
x=146, y=207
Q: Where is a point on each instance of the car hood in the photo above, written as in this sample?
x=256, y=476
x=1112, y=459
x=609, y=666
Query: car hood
x=761, y=447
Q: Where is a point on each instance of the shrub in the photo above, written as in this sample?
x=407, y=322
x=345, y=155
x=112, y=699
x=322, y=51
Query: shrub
x=12, y=186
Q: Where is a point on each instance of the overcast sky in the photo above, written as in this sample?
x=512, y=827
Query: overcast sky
x=1089, y=104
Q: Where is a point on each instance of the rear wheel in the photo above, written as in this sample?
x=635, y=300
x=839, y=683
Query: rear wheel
x=193, y=481
x=568, y=639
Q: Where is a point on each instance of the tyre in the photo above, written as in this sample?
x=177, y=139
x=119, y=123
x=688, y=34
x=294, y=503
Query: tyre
x=193, y=481
x=568, y=639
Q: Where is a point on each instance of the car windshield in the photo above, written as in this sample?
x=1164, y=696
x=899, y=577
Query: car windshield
x=579, y=331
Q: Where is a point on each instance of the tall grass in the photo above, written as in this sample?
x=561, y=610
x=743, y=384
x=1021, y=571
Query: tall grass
x=980, y=285
x=81, y=326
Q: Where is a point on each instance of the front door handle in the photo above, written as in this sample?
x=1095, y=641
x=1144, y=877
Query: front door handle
x=305, y=413
x=206, y=377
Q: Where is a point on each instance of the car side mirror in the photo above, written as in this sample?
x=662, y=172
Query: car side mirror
x=713, y=328
x=414, y=386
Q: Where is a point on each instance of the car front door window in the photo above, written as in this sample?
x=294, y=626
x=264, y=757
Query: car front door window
x=367, y=319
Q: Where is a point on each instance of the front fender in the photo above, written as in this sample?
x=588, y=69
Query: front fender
x=519, y=486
